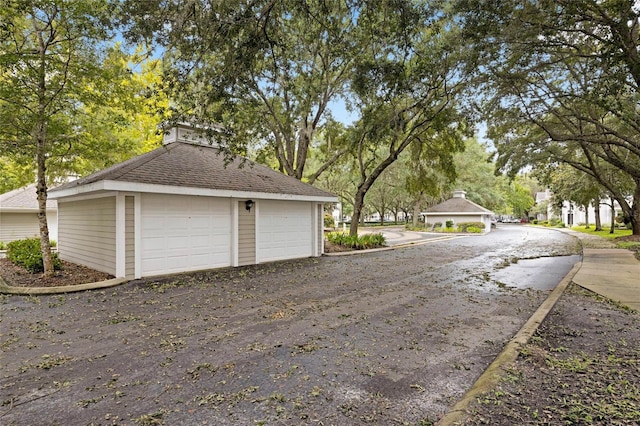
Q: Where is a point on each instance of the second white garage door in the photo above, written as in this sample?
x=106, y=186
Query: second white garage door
x=184, y=233
x=284, y=230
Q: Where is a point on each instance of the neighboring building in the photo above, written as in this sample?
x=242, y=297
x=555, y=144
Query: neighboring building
x=571, y=214
x=542, y=197
x=459, y=210
x=19, y=215
x=180, y=208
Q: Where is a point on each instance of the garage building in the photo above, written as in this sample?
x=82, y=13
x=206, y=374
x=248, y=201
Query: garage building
x=184, y=207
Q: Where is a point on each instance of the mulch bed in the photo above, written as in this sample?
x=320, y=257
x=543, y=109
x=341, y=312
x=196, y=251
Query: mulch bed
x=70, y=274
x=73, y=274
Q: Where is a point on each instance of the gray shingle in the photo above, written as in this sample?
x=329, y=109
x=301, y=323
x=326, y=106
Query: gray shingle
x=23, y=198
x=458, y=205
x=187, y=165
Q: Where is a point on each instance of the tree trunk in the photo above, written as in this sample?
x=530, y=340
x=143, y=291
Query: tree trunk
x=357, y=211
x=596, y=204
x=635, y=211
x=613, y=217
x=586, y=216
x=41, y=191
x=416, y=211
x=40, y=138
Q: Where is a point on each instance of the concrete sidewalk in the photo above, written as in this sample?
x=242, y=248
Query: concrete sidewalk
x=611, y=272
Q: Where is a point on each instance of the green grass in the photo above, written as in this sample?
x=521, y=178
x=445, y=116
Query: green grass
x=604, y=233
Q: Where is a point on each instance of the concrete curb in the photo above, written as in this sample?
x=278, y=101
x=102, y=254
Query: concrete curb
x=491, y=376
x=33, y=291
x=403, y=245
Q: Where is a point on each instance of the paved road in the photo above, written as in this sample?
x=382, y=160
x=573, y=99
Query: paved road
x=375, y=338
x=537, y=272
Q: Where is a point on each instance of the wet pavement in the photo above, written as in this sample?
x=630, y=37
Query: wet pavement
x=539, y=274
x=523, y=270
x=387, y=337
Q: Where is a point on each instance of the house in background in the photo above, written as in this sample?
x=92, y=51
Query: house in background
x=459, y=210
x=571, y=214
x=541, y=198
x=19, y=215
x=181, y=208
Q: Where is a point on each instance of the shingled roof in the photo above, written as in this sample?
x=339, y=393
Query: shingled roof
x=458, y=204
x=196, y=166
x=23, y=199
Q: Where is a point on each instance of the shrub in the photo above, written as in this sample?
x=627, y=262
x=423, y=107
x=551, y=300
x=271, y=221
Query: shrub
x=365, y=241
x=419, y=227
x=473, y=229
x=3, y=245
x=437, y=225
x=535, y=221
x=464, y=226
x=449, y=223
x=26, y=253
x=328, y=221
x=555, y=222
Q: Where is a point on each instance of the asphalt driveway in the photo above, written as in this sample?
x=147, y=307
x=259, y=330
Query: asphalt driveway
x=392, y=337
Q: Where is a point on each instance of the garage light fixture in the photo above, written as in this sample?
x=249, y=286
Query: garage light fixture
x=248, y=204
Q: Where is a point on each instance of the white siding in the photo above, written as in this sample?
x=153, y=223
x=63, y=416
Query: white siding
x=285, y=230
x=320, y=230
x=18, y=226
x=129, y=237
x=87, y=233
x=184, y=233
x=246, y=235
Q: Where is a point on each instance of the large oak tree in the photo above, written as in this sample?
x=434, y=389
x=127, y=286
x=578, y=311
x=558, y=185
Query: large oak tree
x=563, y=79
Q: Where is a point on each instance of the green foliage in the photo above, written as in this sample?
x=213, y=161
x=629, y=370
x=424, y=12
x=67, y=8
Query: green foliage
x=555, y=97
x=466, y=226
x=3, y=245
x=449, y=223
x=420, y=227
x=27, y=253
x=358, y=242
x=328, y=221
x=604, y=233
x=476, y=175
x=451, y=230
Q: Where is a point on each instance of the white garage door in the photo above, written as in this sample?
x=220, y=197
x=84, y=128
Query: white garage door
x=184, y=233
x=285, y=230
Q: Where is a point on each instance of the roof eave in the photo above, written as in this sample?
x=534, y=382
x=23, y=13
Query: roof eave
x=24, y=209
x=455, y=213
x=111, y=185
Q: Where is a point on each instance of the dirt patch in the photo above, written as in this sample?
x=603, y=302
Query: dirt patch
x=330, y=247
x=70, y=274
x=581, y=367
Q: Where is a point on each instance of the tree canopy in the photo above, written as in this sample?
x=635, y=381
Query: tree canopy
x=63, y=92
x=562, y=83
